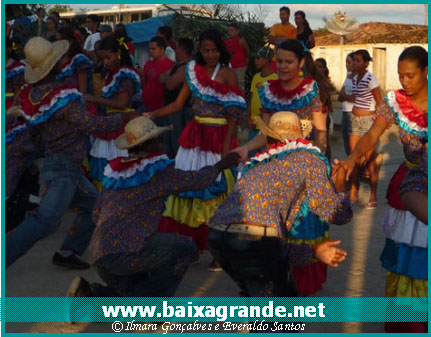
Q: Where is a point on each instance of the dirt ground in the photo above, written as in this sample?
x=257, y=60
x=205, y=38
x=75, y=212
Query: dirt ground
x=359, y=275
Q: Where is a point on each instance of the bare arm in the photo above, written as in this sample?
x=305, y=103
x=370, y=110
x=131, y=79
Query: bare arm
x=231, y=131
x=245, y=48
x=344, y=97
x=120, y=101
x=312, y=42
x=175, y=80
x=377, y=95
x=319, y=130
x=82, y=82
x=175, y=106
x=367, y=141
x=255, y=143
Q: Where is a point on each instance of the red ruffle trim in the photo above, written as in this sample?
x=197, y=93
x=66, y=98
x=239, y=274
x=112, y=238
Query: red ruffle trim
x=278, y=91
x=206, y=137
x=393, y=193
x=280, y=144
x=310, y=279
x=198, y=235
x=411, y=111
x=14, y=65
x=403, y=327
x=10, y=127
x=123, y=163
x=31, y=109
x=221, y=88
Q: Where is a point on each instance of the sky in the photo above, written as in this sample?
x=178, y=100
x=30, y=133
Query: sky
x=395, y=13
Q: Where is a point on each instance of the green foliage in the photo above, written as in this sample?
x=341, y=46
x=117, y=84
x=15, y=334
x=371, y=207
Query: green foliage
x=59, y=8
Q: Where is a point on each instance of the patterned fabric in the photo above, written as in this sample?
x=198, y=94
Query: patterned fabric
x=126, y=217
x=405, y=255
x=304, y=100
x=25, y=141
x=78, y=63
x=398, y=109
x=417, y=178
x=14, y=76
x=124, y=79
x=210, y=90
x=261, y=197
x=64, y=133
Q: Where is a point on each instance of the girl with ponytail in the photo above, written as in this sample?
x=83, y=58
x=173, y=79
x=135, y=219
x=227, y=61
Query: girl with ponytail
x=292, y=92
x=121, y=84
x=77, y=68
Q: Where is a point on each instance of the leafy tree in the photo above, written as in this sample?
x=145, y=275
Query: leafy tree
x=60, y=8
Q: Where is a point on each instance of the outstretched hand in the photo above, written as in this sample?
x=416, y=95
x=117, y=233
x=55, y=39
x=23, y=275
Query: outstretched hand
x=231, y=159
x=327, y=253
x=242, y=152
x=151, y=115
x=348, y=165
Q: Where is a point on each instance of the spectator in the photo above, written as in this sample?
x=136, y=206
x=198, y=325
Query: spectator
x=21, y=26
x=105, y=30
x=304, y=32
x=77, y=68
x=39, y=27
x=83, y=33
x=152, y=89
x=173, y=81
x=166, y=33
x=239, y=51
x=92, y=24
x=284, y=30
x=56, y=16
x=348, y=99
x=367, y=96
x=120, y=30
x=325, y=98
x=18, y=48
x=263, y=64
x=51, y=33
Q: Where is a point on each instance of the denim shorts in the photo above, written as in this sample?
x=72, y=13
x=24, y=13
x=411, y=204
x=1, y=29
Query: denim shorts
x=359, y=125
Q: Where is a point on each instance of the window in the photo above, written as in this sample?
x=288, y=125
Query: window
x=146, y=15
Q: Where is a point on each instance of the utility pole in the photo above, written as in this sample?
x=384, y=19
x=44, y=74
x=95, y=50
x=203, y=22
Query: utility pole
x=426, y=15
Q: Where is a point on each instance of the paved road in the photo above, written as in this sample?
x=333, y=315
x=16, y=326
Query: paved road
x=359, y=275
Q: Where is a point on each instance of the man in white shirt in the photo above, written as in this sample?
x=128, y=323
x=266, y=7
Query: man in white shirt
x=92, y=25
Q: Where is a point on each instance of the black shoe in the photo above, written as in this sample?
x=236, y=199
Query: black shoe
x=71, y=261
x=79, y=287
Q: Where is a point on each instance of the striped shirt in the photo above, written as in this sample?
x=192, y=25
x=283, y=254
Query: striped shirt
x=362, y=91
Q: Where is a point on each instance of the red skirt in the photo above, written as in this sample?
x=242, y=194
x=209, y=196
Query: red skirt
x=205, y=137
x=198, y=235
x=310, y=279
x=393, y=194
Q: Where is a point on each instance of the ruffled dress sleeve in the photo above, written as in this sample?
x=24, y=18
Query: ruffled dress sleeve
x=230, y=97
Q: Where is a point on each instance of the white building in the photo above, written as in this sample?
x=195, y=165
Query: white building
x=384, y=42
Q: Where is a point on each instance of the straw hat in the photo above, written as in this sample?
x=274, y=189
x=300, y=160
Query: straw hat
x=284, y=125
x=42, y=56
x=14, y=111
x=139, y=130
